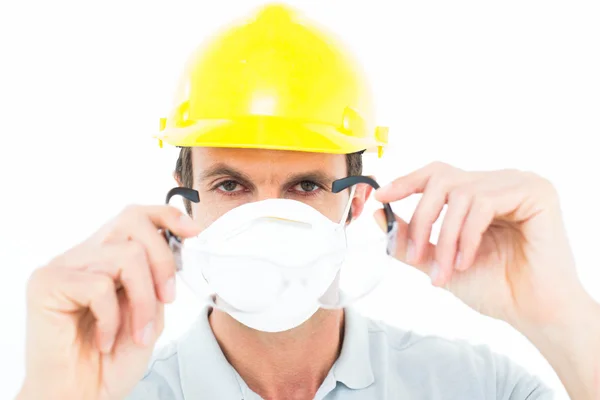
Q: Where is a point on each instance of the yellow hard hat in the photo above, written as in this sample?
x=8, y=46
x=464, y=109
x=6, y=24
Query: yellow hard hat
x=274, y=81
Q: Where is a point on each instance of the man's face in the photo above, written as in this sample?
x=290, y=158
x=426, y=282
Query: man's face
x=227, y=178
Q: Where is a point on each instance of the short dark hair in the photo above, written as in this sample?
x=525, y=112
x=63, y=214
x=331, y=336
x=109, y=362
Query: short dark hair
x=184, y=171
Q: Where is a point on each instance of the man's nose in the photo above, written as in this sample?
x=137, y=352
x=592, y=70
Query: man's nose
x=269, y=192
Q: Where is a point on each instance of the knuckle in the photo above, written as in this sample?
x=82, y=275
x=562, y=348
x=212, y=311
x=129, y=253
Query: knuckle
x=533, y=177
x=129, y=214
x=129, y=278
x=38, y=275
x=38, y=281
x=542, y=186
x=437, y=182
x=546, y=186
x=442, y=181
x=438, y=166
x=116, y=230
x=131, y=210
x=110, y=233
x=103, y=287
x=462, y=194
x=119, y=227
x=135, y=253
x=69, y=257
x=482, y=204
x=444, y=169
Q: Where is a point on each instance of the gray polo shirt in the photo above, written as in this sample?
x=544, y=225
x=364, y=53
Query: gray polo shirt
x=377, y=361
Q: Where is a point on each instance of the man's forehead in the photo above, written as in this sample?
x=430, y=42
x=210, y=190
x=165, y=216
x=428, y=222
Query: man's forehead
x=262, y=160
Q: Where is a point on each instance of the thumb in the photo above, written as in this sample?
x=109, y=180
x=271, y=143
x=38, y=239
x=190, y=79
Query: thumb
x=404, y=246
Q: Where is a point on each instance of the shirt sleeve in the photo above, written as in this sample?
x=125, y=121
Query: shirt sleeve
x=513, y=382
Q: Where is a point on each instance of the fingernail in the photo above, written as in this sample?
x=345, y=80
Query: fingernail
x=380, y=221
x=410, y=251
x=107, y=345
x=169, y=290
x=147, y=334
x=457, y=261
x=434, y=272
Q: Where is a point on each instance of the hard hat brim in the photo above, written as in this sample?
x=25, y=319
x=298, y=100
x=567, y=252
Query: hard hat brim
x=272, y=133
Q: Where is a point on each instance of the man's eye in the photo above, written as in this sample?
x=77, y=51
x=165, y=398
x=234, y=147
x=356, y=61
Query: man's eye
x=230, y=186
x=307, y=186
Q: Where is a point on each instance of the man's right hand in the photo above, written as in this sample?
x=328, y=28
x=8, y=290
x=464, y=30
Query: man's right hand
x=95, y=312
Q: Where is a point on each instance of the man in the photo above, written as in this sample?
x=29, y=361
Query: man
x=271, y=112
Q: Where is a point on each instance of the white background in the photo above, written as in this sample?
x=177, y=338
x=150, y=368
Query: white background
x=481, y=85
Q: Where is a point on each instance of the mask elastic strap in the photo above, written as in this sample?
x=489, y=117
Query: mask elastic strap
x=348, y=206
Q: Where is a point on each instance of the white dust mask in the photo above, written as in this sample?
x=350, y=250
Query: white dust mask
x=267, y=263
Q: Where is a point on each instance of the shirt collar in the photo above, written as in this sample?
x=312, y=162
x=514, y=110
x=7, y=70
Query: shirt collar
x=206, y=373
x=353, y=366
x=204, y=370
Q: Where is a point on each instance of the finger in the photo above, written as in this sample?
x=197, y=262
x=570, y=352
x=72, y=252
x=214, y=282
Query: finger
x=403, y=244
x=447, y=255
x=72, y=291
x=477, y=222
x=127, y=332
x=161, y=260
x=130, y=265
x=402, y=239
x=413, y=183
x=171, y=218
x=127, y=264
x=141, y=224
x=426, y=214
x=162, y=217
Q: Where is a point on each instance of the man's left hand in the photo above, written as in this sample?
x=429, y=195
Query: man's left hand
x=502, y=247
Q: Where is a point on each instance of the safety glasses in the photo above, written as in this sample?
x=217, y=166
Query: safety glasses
x=391, y=223
x=176, y=243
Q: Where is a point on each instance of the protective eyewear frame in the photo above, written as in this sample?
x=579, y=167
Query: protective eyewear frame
x=175, y=242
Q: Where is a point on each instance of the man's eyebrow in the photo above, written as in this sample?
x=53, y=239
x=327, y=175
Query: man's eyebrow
x=318, y=176
x=222, y=169
x=225, y=170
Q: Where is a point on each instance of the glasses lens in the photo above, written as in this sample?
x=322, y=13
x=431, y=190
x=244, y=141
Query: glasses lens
x=363, y=268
